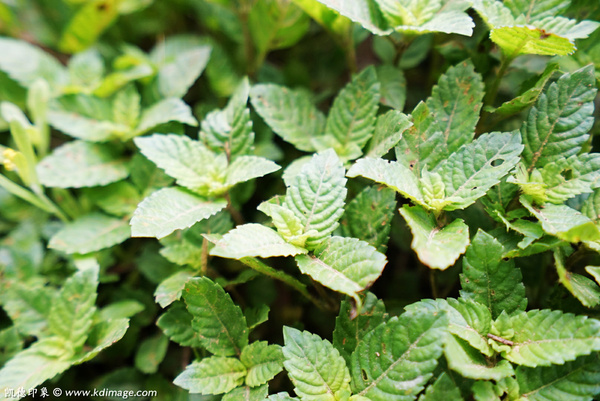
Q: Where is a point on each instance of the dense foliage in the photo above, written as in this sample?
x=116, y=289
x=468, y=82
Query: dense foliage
x=331, y=200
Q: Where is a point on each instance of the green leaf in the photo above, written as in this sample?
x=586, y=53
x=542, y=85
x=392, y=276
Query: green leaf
x=230, y=130
x=80, y=164
x=276, y=25
x=103, y=335
x=442, y=389
x=28, y=304
x=121, y=310
x=447, y=120
x=247, y=394
x=220, y=323
x=169, y=290
x=288, y=225
x=566, y=178
x=263, y=362
x=164, y=111
x=316, y=195
x=490, y=280
x=26, y=63
x=126, y=106
x=470, y=363
x=72, y=312
x=351, y=119
x=437, y=247
x=557, y=126
x=151, y=353
x=471, y=171
x=545, y=337
x=346, y=265
x=171, y=209
x=326, y=17
x=180, y=60
x=176, y=323
x=253, y=240
x=563, y=222
x=350, y=330
x=515, y=40
x=90, y=233
x=361, y=11
x=393, y=174
x=245, y=168
x=368, y=217
x=87, y=25
x=395, y=361
x=214, y=375
x=290, y=114
x=119, y=199
x=281, y=396
x=534, y=10
x=578, y=380
x=594, y=271
x=582, y=288
x=257, y=315
x=393, y=86
x=314, y=366
x=388, y=132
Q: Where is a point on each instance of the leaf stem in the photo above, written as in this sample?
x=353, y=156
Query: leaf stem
x=500, y=340
x=492, y=93
x=284, y=277
x=39, y=200
x=235, y=214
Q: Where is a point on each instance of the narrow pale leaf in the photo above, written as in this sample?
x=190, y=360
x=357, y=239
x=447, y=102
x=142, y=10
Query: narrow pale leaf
x=171, y=109
x=245, y=168
x=169, y=290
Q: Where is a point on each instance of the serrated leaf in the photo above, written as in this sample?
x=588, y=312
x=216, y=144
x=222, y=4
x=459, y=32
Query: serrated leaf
x=346, y=265
x=578, y=381
x=247, y=394
x=350, y=330
x=442, y=389
x=90, y=233
x=393, y=86
x=392, y=174
x=582, y=288
x=368, y=217
x=176, y=323
x=490, y=280
x=171, y=209
x=395, y=361
x=263, y=362
x=352, y=115
x=230, y=130
x=545, y=337
x=164, y=111
x=126, y=106
x=447, y=120
x=72, y=312
x=80, y=164
x=253, y=240
x=213, y=375
x=87, y=25
x=389, y=128
x=594, y=271
x=245, y=168
x=316, y=195
x=151, y=353
x=102, y=336
x=290, y=114
x=471, y=171
x=169, y=290
x=533, y=9
x=118, y=199
x=180, y=61
x=568, y=177
x=27, y=304
x=470, y=363
x=276, y=25
x=515, y=40
x=437, y=247
x=314, y=366
x=288, y=225
x=563, y=222
x=557, y=126
x=220, y=323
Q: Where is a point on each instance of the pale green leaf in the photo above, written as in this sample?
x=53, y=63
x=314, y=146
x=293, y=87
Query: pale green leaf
x=488, y=279
x=362, y=12
x=102, y=336
x=351, y=119
x=314, y=366
x=591, y=206
x=246, y=393
x=281, y=396
x=72, y=312
x=350, y=330
x=545, y=337
x=442, y=389
x=253, y=240
x=80, y=164
x=176, y=323
x=276, y=25
x=470, y=363
x=515, y=40
x=368, y=217
x=84, y=127
x=565, y=178
x=346, y=265
x=10, y=342
x=171, y=209
x=290, y=114
x=169, y=290
x=388, y=132
x=245, y=168
x=87, y=25
x=536, y=9
x=563, y=222
x=328, y=18
x=437, y=247
x=121, y=310
x=86, y=69
x=393, y=86
x=471, y=171
x=28, y=303
x=316, y=195
x=395, y=361
x=582, y=288
x=118, y=199
x=213, y=375
x=126, y=106
x=151, y=353
x=557, y=126
x=90, y=233
x=577, y=381
x=594, y=271
x=220, y=323
x=288, y=225
x=392, y=174
x=263, y=362
x=164, y=111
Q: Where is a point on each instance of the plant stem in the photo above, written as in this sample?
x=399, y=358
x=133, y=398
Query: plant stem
x=284, y=277
x=492, y=93
x=39, y=200
x=500, y=340
x=235, y=214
